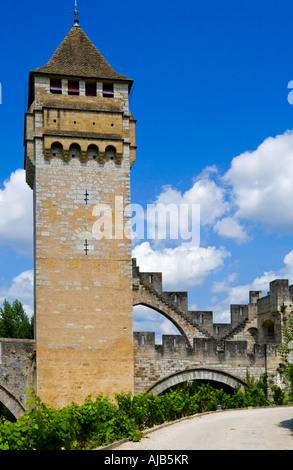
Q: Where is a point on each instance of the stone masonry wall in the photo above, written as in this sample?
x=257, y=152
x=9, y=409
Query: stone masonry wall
x=83, y=284
x=17, y=373
x=155, y=362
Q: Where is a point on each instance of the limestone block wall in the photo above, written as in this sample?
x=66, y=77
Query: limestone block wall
x=17, y=373
x=153, y=363
x=83, y=285
x=83, y=271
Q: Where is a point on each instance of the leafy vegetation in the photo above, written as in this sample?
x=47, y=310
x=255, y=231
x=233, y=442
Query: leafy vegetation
x=14, y=322
x=73, y=427
x=285, y=349
x=101, y=422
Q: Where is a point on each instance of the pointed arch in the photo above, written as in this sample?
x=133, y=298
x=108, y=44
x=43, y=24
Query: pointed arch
x=11, y=403
x=149, y=298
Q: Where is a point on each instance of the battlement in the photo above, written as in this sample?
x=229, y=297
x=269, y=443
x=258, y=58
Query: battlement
x=179, y=300
x=202, y=347
x=158, y=367
x=280, y=294
x=257, y=321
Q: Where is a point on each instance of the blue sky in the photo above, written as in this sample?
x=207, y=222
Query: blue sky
x=210, y=97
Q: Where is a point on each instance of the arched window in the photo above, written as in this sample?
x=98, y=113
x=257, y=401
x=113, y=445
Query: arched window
x=56, y=150
x=74, y=151
x=92, y=152
x=110, y=153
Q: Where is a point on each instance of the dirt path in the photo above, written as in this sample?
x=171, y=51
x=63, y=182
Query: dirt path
x=253, y=429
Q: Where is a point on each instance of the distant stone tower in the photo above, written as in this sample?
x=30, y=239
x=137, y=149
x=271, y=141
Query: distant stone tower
x=79, y=149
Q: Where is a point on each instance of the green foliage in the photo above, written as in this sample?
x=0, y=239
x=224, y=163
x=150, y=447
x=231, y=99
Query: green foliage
x=101, y=422
x=287, y=330
x=284, y=350
x=256, y=391
x=289, y=376
x=95, y=423
x=278, y=395
x=14, y=322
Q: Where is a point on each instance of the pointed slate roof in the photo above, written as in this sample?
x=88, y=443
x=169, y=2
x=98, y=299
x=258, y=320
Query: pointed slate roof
x=77, y=56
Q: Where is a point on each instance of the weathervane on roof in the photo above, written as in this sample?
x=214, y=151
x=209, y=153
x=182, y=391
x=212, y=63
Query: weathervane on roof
x=76, y=20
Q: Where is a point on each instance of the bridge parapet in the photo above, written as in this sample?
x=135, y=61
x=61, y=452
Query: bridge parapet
x=205, y=348
x=155, y=362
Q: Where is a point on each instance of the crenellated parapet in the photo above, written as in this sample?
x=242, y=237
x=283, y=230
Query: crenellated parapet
x=159, y=366
x=149, y=284
x=204, y=348
x=259, y=321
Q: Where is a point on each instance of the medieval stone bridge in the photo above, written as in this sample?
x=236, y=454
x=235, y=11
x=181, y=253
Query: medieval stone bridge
x=221, y=354
x=206, y=351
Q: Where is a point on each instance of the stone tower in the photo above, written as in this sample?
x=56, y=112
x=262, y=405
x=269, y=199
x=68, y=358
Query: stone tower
x=79, y=149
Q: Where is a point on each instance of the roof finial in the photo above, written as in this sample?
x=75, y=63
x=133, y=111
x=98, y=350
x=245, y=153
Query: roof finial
x=76, y=20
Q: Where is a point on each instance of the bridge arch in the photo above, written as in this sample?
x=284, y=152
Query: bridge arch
x=162, y=312
x=196, y=374
x=11, y=403
x=150, y=299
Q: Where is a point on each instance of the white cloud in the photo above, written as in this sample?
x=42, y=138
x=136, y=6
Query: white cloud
x=287, y=270
x=183, y=265
x=257, y=188
x=240, y=294
x=16, y=213
x=216, y=208
x=262, y=184
x=224, y=285
x=21, y=288
x=230, y=228
x=204, y=192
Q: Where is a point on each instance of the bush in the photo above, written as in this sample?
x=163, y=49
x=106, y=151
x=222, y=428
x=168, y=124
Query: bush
x=101, y=422
x=74, y=427
x=278, y=395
